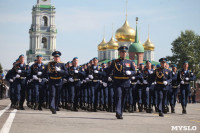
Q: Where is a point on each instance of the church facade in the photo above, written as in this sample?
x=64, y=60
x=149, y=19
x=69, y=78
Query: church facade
x=43, y=31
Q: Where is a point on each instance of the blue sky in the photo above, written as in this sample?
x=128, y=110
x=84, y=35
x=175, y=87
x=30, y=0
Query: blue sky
x=80, y=24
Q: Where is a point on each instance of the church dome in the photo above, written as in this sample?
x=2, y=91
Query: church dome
x=136, y=47
x=102, y=45
x=125, y=33
x=112, y=44
x=148, y=45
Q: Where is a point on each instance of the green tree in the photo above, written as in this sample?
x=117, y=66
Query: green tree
x=1, y=69
x=186, y=48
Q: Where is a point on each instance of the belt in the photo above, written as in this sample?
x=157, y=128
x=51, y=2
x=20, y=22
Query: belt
x=186, y=83
x=56, y=78
x=121, y=77
x=133, y=83
x=76, y=79
x=174, y=86
x=160, y=83
x=22, y=77
x=95, y=80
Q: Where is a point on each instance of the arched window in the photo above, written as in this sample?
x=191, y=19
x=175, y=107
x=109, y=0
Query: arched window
x=44, y=43
x=45, y=21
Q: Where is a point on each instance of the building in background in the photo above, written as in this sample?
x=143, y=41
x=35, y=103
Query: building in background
x=43, y=31
x=126, y=36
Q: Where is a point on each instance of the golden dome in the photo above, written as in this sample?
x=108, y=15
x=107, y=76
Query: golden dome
x=102, y=45
x=148, y=45
x=125, y=33
x=112, y=44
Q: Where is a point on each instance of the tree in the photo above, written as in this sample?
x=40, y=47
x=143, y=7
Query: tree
x=1, y=69
x=186, y=48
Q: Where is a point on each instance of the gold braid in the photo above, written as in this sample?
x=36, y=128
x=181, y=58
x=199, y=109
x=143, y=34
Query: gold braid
x=158, y=75
x=118, y=69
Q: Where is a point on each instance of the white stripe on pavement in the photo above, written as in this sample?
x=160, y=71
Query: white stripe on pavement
x=2, y=111
x=6, y=127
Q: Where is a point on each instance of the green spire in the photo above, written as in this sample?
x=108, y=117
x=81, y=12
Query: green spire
x=136, y=36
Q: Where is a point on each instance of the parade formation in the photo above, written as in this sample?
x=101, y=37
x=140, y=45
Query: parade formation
x=117, y=86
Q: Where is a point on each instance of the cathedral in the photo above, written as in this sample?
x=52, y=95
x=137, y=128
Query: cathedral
x=43, y=31
x=126, y=36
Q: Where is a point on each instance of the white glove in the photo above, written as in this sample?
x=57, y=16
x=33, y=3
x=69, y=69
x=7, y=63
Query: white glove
x=133, y=78
x=192, y=74
x=58, y=69
x=90, y=76
x=147, y=89
x=138, y=82
x=84, y=81
x=101, y=82
x=187, y=79
x=30, y=80
x=39, y=73
x=64, y=81
x=151, y=72
x=95, y=71
x=11, y=80
x=145, y=82
x=45, y=80
x=128, y=72
x=165, y=82
x=182, y=82
x=76, y=71
x=35, y=77
x=104, y=84
x=71, y=80
x=87, y=79
x=109, y=79
x=19, y=71
x=17, y=76
x=173, y=73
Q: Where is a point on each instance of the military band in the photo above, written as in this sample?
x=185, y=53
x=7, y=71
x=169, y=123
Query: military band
x=118, y=86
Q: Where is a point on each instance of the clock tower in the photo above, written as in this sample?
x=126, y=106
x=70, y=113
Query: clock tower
x=43, y=31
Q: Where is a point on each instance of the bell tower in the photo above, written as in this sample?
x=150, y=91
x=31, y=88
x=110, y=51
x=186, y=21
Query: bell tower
x=44, y=2
x=43, y=31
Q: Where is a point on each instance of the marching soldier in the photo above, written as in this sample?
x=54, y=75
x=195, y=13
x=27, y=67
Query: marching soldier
x=21, y=71
x=163, y=78
x=111, y=92
x=10, y=78
x=174, y=89
x=104, y=86
x=75, y=76
x=94, y=75
x=123, y=70
x=56, y=70
x=140, y=86
x=184, y=78
x=148, y=76
x=37, y=74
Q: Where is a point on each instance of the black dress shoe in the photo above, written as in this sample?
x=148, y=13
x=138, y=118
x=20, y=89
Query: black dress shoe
x=53, y=112
x=184, y=110
x=119, y=116
x=21, y=108
x=161, y=114
x=40, y=108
